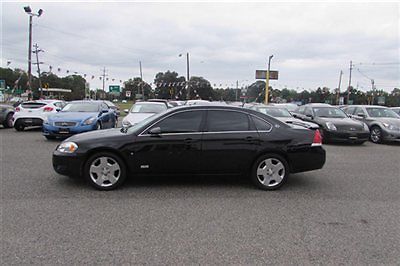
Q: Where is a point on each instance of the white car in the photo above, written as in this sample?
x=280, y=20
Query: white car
x=142, y=110
x=32, y=113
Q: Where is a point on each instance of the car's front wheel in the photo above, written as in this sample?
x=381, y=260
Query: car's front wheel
x=105, y=171
x=270, y=172
x=376, y=135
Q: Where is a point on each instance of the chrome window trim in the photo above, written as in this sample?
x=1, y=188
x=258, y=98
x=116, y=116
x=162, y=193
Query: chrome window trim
x=206, y=132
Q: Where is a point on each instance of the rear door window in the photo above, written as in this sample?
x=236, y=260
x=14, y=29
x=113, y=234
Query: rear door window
x=218, y=121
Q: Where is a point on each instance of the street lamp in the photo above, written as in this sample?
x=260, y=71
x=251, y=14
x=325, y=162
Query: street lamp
x=28, y=10
x=187, y=75
x=267, y=79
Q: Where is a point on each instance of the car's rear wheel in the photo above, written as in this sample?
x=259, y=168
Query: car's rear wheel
x=19, y=125
x=270, y=172
x=8, y=122
x=105, y=171
x=376, y=135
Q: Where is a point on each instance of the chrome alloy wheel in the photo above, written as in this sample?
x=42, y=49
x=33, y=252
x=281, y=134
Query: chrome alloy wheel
x=270, y=172
x=376, y=135
x=105, y=171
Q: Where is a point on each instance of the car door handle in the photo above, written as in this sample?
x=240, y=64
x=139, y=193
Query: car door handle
x=250, y=139
x=188, y=141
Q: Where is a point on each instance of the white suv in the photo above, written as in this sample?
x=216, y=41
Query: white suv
x=32, y=113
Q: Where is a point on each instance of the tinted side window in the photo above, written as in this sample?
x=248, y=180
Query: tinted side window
x=301, y=110
x=184, y=122
x=359, y=110
x=227, y=121
x=308, y=111
x=261, y=125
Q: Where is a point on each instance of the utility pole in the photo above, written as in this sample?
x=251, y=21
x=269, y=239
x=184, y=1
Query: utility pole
x=237, y=89
x=348, y=89
x=104, y=78
x=267, y=79
x=38, y=67
x=338, y=92
x=141, y=79
x=373, y=91
x=30, y=55
x=188, y=77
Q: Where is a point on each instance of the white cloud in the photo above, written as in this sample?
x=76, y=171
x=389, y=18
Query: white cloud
x=311, y=42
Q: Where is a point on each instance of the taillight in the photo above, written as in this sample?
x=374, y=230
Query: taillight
x=317, y=141
x=48, y=109
x=17, y=109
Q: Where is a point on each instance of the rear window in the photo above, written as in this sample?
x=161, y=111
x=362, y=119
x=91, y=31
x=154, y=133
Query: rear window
x=32, y=105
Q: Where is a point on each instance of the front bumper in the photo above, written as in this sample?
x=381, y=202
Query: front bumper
x=345, y=136
x=64, y=132
x=390, y=134
x=68, y=164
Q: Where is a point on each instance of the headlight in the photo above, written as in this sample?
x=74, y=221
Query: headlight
x=89, y=121
x=67, y=147
x=389, y=126
x=366, y=128
x=330, y=126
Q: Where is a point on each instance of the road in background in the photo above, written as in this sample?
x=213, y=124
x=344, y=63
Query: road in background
x=346, y=213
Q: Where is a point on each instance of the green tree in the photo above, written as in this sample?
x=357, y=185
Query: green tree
x=135, y=87
x=169, y=85
x=200, y=88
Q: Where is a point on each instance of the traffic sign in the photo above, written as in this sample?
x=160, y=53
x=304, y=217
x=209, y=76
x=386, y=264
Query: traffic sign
x=262, y=74
x=114, y=88
x=128, y=94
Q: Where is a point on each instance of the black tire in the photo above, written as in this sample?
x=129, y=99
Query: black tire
x=50, y=137
x=19, y=126
x=98, y=126
x=90, y=178
x=8, y=122
x=271, y=184
x=376, y=135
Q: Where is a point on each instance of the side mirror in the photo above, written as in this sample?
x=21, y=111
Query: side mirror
x=104, y=111
x=58, y=109
x=126, y=111
x=361, y=115
x=155, y=131
x=310, y=116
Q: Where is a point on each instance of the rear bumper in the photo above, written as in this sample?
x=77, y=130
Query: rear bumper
x=29, y=121
x=69, y=165
x=306, y=159
x=345, y=136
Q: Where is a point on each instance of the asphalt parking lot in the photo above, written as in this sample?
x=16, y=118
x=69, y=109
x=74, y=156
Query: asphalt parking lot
x=346, y=213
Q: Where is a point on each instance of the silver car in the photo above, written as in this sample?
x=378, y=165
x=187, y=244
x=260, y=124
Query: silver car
x=384, y=123
x=142, y=110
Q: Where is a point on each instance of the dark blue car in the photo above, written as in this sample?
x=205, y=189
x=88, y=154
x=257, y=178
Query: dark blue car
x=77, y=117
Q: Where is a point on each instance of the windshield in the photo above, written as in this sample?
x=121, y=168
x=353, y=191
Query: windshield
x=274, y=112
x=142, y=123
x=331, y=112
x=81, y=107
x=381, y=112
x=148, y=108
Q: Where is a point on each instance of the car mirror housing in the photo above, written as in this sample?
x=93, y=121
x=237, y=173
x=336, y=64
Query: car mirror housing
x=104, y=111
x=310, y=116
x=361, y=114
x=126, y=111
x=155, y=131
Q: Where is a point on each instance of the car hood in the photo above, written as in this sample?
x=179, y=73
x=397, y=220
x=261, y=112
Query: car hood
x=388, y=120
x=96, y=135
x=296, y=121
x=134, y=118
x=71, y=116
x=342, y=123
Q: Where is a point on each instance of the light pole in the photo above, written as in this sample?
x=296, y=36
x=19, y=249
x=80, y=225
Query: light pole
x=28, y=10
x=267, y=79
x=187, y=76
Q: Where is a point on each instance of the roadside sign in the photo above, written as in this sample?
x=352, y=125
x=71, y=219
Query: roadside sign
x=128, y=94
x=262, y=74
x=115, y=89
x=381, y=100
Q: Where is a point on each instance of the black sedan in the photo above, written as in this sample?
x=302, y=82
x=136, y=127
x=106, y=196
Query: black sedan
x=336, y=125
x=204, y=140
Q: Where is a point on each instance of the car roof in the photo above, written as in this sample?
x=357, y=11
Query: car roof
x=153, y=103
x=319, y=105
